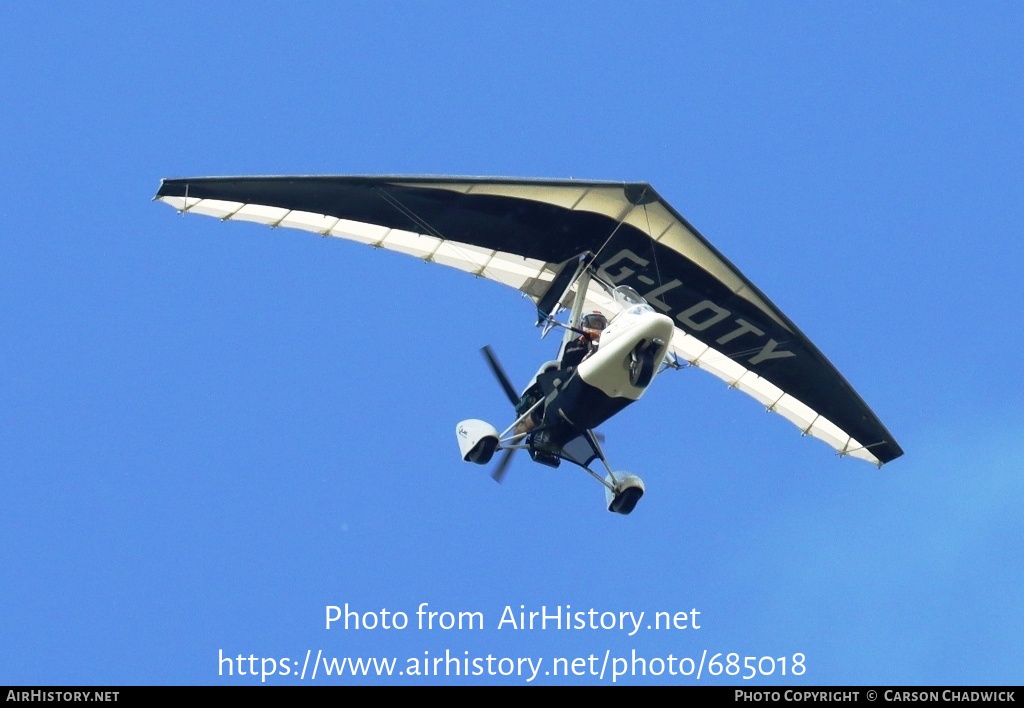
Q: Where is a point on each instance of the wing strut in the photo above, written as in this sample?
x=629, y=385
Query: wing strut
x=552, y=298
x=582, y=283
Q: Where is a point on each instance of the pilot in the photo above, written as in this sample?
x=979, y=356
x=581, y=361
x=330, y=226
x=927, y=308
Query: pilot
x=586, y=344
x=575, y=351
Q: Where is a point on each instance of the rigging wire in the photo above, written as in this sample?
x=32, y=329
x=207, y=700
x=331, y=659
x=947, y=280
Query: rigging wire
x=654, y=246
x=419, y=221
x=625, y=216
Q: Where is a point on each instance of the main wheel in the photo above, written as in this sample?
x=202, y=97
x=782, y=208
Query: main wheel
x=641, y=365
x=483, y=451
x=627, y=493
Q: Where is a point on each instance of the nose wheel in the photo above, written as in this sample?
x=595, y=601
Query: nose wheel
x=642, y=364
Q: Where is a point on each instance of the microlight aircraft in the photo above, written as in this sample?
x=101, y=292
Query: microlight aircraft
x=668, y=299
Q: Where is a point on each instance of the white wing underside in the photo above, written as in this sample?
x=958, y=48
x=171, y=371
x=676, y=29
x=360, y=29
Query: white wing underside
x=531, y=277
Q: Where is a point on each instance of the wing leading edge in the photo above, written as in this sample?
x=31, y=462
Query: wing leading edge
x=520, y=232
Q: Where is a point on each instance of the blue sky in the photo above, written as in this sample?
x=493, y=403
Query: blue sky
x=213, y=431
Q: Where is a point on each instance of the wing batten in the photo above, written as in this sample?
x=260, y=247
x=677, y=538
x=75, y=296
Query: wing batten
x=519, y=232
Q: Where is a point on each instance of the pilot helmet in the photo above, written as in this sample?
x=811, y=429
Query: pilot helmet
x=595, y=320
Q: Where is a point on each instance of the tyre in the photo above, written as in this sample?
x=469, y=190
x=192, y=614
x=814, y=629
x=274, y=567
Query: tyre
x=641, y=365
x=628, y=491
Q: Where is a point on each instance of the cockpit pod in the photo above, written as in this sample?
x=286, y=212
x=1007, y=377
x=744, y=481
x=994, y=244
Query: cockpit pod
x=639, y=338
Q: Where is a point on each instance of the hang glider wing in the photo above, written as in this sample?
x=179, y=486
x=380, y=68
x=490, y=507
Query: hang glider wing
x=522, y=232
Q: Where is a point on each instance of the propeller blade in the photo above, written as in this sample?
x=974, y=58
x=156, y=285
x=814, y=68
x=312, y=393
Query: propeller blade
x=502, y=467
x=499, y=373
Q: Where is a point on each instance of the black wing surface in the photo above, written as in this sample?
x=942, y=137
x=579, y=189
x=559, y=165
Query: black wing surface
x=521, y=232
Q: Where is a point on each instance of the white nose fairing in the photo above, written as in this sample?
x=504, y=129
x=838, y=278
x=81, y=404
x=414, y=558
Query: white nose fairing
x=608, y=369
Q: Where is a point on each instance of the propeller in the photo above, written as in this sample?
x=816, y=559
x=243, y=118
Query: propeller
x=499, y=373
x=498, y=473
x=501, y=468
